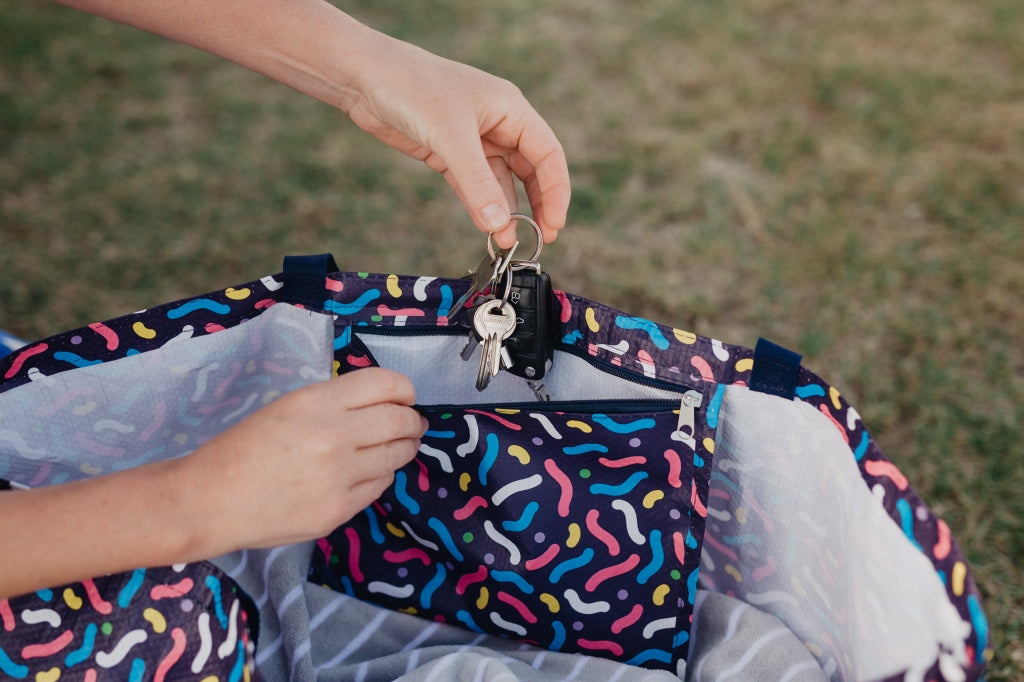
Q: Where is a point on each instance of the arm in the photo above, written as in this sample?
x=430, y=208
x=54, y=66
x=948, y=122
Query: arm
x=475, y=129
x=255, y=485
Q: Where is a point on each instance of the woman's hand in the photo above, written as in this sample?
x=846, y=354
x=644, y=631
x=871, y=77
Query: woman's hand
x=305, y=464
x=474, y=128
x=294, y=470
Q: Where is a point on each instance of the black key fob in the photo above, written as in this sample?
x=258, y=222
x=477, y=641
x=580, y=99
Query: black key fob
x=532, y=344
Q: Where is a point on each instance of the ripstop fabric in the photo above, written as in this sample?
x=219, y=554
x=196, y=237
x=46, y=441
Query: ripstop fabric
x=783, y=502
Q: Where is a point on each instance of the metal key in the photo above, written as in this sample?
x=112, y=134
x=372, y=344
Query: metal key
x=494, y=321
x=489, y=271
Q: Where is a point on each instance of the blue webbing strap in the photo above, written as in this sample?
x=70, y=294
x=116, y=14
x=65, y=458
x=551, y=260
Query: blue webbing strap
x=775, y=371
x=304, y=278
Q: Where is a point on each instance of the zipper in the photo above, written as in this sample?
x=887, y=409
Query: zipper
x=688, y=404
x=602, y=406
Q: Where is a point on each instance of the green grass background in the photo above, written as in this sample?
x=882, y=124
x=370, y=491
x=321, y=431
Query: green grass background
x=846, y=179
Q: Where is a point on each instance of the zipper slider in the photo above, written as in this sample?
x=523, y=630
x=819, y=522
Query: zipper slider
x=685, y=428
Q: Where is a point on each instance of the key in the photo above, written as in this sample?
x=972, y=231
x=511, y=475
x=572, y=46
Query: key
x=485, y=275
x=482, y=276
x=494, y=321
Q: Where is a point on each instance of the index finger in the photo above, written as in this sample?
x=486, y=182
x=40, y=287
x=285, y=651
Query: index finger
x=539, y=160
x=372, y=386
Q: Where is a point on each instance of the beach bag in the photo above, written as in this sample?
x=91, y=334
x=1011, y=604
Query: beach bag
x=580, y=514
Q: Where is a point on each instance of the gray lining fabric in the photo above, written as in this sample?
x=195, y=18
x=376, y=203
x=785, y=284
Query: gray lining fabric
x=308, y=632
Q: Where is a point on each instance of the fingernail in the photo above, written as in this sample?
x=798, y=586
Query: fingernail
x=425, y=423
x=495, y=217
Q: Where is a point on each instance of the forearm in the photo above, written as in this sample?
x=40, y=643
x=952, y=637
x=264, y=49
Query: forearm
x=308, y=45
x=146, y=516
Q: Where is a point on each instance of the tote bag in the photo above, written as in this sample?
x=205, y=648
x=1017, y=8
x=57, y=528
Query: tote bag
x=663, y=463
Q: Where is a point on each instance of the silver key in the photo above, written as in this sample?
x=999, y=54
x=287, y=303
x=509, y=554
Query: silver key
x=487, y=273
x=494, y=321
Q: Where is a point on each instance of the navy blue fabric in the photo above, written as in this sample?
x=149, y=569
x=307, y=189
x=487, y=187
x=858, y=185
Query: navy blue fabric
x=304, y=279
x=776, y=370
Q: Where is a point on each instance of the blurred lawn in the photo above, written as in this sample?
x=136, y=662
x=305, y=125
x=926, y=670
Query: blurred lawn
x=846, y=179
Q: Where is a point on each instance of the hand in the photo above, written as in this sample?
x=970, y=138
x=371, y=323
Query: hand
x=303, y=465
x=474, y=128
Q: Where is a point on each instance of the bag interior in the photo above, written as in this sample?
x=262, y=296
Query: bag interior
x=792, y=528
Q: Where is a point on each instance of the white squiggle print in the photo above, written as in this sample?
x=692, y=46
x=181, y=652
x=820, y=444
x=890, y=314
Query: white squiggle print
x=474, y=436
x=580, y=606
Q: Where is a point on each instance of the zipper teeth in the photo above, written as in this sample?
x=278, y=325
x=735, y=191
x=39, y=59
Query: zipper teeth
x=633, y=405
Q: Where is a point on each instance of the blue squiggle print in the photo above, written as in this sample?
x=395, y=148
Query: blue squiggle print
x=620, y=489
x=367, y=297
x=198, y=304
x=652, y=330
x=630, y=427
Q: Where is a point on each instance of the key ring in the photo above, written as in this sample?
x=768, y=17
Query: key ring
x=537, y=231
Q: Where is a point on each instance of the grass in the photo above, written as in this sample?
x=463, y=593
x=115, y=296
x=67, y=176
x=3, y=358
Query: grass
x=845, y=179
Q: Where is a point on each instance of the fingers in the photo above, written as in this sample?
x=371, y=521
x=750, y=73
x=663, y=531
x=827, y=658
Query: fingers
x=384, y=459
x=472, y=176
x=506, y=236
x=372, y=386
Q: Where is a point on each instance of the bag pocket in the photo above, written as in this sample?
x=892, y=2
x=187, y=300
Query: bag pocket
x=575, y=527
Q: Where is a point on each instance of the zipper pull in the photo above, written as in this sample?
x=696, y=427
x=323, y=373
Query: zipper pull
x=685, y=428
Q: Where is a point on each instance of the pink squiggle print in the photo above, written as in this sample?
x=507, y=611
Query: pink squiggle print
x=49, y=648
x=544, y=559
x=627, y=620
x=611, y=571
x=597, y=645
x=675, y=467
x=465, y=581
x=764, y=571
x=326, y=548
x=702, y=366
x=566, y=313
x=477, y=502
x=624, y=462
x=698, y=506
x=178, y=635
x=22, y=357
x=210, y=409
x=564, y=483
x=6, y=615
x=720, y=547
x=355, y=361
x=96, y=448
x=99, y=603
x=159, y=414
x=236, y=369
x=601, y=534
x=423, y=478
x=835, y=422
x=942, y=547
x=880, y=468
x=518, y=606
x=108, y=334
x=42, y=474
x=414, y=553
x=679, y=545
x=59, y=404
x=353, y=555
x=504, y=422
x=385, y=311
x=178, y=589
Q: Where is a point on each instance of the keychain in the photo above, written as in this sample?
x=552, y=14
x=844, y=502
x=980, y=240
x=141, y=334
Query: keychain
x=523, y=345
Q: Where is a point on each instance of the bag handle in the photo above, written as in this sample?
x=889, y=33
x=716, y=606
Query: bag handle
x=304, y=278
